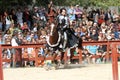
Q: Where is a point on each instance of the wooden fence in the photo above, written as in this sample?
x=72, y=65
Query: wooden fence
x=111, y=45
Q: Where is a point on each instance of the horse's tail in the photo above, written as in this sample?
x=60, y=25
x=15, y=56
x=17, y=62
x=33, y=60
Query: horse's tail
x=80, y=43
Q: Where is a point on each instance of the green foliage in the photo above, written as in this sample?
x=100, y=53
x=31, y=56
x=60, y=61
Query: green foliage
x=98, y=3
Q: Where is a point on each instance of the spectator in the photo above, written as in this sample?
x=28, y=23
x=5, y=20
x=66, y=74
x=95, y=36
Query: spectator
x=78, y=13
x=7, y=19
x=101, y=52
x=27, y=17
x=92, y=49
x=1, y=23
x=51, y=13
x=19, y=15
x=16, y=41
x=94, y=35
x=71, y=14
x=36, y=16
x=86, y=56
x=25, y=27
x=35, y=27
x=13, y=16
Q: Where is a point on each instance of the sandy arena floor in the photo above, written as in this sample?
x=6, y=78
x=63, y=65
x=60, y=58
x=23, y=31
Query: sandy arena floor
x=88, y=72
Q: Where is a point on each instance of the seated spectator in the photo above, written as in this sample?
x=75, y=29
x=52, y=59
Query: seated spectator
x=6, y=54
x=86, y=56
x=25, y=27
x=101, y=20
x=31, y=54
x=94, y=35
x=103, y=27
x=101, y=52
x=25, y=55
x=100, y=36
x=35, y=27
x=92, y=49
x=108, y=35
x=30, y=38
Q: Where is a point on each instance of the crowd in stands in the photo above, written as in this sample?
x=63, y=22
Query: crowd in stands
x=33, y=25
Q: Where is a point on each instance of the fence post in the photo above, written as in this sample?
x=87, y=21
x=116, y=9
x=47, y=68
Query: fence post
x=36, y=57
x=1, y=69
x=108, y=49
x=65, y=57
x=80, y=56
x=115, y=62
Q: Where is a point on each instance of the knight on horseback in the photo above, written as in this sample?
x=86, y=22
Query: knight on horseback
x=69, y=39
x=61, y=37
x=63, y=24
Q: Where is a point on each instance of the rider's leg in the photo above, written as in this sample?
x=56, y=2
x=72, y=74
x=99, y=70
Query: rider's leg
x=65, y=40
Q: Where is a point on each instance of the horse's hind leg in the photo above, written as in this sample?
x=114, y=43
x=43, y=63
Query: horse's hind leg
x=62, y=58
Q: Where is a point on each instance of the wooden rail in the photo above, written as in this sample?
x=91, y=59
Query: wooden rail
x=108, y=43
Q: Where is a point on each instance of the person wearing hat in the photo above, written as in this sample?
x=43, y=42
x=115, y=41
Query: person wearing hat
x=16, y=52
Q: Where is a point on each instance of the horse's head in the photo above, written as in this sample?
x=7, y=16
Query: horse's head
x=53, y=29
x=54, y=37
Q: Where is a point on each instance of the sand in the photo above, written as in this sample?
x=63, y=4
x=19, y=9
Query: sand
x=74, y=72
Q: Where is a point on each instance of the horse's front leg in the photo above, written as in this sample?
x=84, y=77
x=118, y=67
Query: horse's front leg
x=54, y=60
x=62, y=58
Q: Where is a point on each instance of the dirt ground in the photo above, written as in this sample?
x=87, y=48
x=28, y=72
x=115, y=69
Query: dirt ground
x=74, y=72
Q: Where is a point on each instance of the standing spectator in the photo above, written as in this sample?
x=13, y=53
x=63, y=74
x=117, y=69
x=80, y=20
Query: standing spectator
x=8, y=20
x=71, y=14
x=16, y=53
x=27, y=17
x=43, y=14
x=78, y=13
x=96, y=16
x=1, y=38
x=19, y=15
x=36, y=16
x=1, y=23
x=51, y=13
x=13, y=16
x=108, y=16
x=115, y=16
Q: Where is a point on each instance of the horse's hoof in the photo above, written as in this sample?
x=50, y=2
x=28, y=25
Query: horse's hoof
x=54, y=68
x=65, y=65
x=46, y=67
